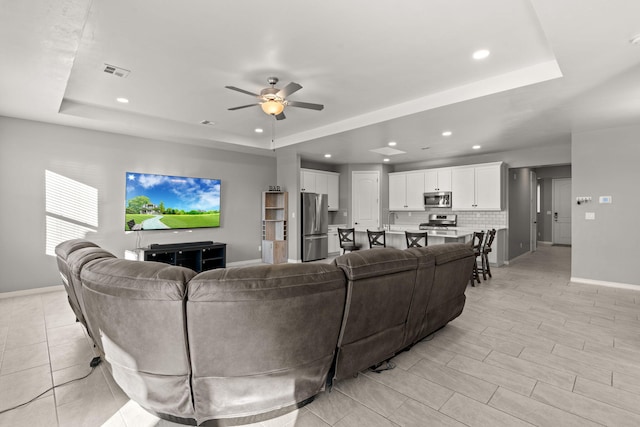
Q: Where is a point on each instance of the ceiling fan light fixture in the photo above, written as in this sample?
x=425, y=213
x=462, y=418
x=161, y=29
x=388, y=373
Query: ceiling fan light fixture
x=272, y=107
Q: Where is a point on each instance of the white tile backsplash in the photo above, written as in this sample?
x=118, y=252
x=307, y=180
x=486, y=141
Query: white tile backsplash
x=480, y=220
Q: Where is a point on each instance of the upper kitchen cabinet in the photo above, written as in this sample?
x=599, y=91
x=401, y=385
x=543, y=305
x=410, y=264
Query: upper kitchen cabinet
x=321, y=182
x=406, y=190
x=477, y=187
x=437, y=180
x=307, y=181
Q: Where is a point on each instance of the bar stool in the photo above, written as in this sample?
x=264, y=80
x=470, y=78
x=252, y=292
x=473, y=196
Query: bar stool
x=486, y=248
x=476, y=244
x=416, y=239
x=347, y=238
x=377, y=239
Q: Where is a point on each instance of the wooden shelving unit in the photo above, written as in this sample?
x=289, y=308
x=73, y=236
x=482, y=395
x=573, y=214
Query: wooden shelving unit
x=274, y=227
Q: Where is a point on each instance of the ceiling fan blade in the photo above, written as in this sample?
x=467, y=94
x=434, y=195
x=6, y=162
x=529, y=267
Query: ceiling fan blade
x=288, y=90
x=237, y=89
x=281, y=116
x=305, y=105
x=242, y=106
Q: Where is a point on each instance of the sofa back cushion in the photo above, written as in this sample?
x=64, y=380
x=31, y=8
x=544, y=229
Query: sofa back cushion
x=422, y=293
x=380, y=289
x=75, y=262
x=454, y=262
x=262, y=337
x=63, y=250
x=137, y=310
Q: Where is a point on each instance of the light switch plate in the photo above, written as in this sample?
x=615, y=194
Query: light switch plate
x=589, y=215
x=605, y=199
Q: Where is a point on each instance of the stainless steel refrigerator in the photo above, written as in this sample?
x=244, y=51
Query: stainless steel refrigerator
x=315, y=218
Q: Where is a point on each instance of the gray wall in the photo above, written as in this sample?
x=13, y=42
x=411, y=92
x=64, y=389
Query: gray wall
x=519, y=187
x=605, y=163
x=99, y=160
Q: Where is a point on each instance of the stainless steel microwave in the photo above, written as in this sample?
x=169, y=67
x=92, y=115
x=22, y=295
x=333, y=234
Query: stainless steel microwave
x=437, y=199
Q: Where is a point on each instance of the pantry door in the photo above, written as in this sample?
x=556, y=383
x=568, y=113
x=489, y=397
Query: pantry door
x=365, y=194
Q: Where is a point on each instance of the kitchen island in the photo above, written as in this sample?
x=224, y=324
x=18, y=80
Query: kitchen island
x=396, y=237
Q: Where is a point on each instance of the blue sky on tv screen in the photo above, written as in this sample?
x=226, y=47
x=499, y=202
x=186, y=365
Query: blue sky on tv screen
x=176, y=192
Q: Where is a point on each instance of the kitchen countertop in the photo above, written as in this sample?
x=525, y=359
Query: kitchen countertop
x=451, y=233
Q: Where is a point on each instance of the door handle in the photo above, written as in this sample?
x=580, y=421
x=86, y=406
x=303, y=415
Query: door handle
x=555, y=216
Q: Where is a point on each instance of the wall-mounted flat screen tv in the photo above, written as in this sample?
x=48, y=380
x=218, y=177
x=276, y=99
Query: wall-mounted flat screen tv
x=164, y=202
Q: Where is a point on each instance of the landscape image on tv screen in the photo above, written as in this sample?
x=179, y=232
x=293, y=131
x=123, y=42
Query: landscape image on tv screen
x=163, y=202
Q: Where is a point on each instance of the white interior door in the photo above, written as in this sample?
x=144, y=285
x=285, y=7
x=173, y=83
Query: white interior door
x=533, y=218
x=561, y=231
x=365, y=196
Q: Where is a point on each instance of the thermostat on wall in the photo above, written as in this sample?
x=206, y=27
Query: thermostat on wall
x=605, y=199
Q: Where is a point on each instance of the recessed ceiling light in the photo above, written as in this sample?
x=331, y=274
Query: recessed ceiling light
x=476, y=147
x=327, y=155
x=446, y=133
x=385, y=160
x=207, y=122
x=481, y=54
x=392, y=144
x=258, y=130
x=635, y=39
x=122, y=100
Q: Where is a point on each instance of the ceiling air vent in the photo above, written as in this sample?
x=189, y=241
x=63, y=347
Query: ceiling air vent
x=116, y=71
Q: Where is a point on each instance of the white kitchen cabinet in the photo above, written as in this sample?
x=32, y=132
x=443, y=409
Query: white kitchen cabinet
x=307, y=181
x=406, y=190
x=477, y=187
x=437, y=180
x=334, y=242
x=321, y=182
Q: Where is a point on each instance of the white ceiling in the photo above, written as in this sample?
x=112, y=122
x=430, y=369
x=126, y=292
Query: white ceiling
x=385, y=71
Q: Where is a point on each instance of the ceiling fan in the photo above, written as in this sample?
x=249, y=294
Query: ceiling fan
x=273, y=100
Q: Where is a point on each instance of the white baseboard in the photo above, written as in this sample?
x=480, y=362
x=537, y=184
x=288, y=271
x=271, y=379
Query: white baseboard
x=605, y=283
x=245, y=263
x=33, y=291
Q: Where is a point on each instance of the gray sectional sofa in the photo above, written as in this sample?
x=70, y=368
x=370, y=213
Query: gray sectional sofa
x=244, y=344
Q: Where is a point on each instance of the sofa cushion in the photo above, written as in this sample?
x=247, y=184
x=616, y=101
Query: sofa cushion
x=67, y=247
x=137, y=311
x=454, y=262
x=71, y=256
x=449, y=252
x=262, y=337
x=375, y=262
x=380, y=284
x=422, y=292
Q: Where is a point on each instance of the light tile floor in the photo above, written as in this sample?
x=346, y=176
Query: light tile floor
x=530, y=348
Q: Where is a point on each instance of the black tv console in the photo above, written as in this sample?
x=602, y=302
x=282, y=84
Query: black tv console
x=198, y=256
x=179, y=245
